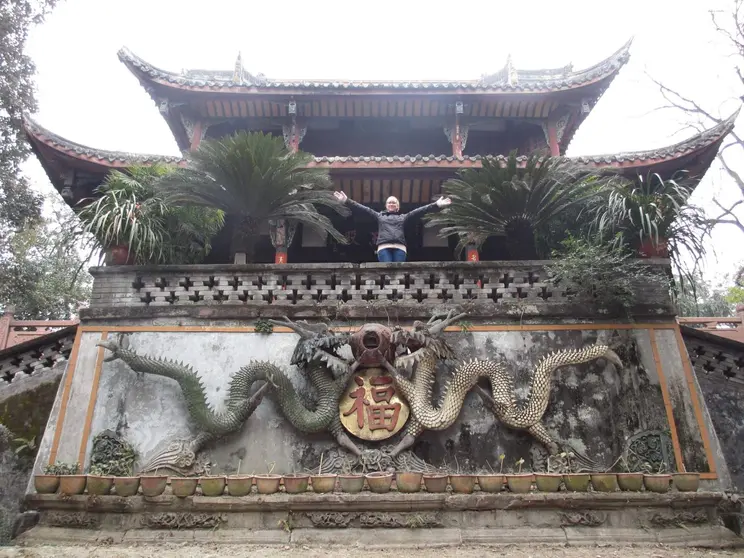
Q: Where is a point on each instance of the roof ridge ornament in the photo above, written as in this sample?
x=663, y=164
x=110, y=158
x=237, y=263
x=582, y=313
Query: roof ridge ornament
x=239, y=70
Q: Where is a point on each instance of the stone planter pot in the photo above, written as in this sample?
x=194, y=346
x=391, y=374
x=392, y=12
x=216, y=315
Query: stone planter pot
x=119, y=255
x=72, y=484
x=491, y=483
x=657, y=483
x=577, y=482
x=46, y=484
x=519, y=484
x=296, y=484
x=463, y=484
x=436, y=483
x=126, y=486
x=153, y=485
x=323, y=483
x=267, y=484
x=183, y=487
x=379, y=482
x=100, y=486
x=686, y=482
x=408, y=482
x=239, y=486
x=351, y=484
x=605, y=482
x=211, y=486
x=630, y=482
x=548, y=482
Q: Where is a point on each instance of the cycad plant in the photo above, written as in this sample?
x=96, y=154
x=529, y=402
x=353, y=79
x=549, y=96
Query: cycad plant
x=509, y=200
x=127, y=211
x=254, y=179
x=652, y=216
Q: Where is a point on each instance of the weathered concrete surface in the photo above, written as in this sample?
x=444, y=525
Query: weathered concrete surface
x=594, y=409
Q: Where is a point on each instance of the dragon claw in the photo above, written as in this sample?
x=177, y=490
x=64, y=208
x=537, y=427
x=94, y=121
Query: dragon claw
x=111, y=346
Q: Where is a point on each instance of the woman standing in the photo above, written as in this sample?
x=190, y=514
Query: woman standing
x=391, y=240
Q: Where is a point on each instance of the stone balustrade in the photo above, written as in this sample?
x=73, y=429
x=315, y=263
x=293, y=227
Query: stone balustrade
x=412, y=289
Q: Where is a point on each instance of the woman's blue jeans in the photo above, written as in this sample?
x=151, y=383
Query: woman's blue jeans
x=391, y=255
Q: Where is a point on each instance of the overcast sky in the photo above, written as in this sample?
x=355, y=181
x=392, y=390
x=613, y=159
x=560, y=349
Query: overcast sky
x=86, y=95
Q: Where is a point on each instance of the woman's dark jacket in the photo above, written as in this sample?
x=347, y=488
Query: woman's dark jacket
x=390, y=225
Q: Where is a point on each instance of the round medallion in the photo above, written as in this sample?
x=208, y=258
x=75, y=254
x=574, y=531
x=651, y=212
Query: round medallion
x=370, y=408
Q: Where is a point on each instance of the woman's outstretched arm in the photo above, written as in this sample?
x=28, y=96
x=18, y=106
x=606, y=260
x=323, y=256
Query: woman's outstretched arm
x=343, y=198
x=441, y=202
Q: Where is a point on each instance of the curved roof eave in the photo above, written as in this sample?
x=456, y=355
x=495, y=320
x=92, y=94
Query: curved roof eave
x=704, y=142
x=524, y=82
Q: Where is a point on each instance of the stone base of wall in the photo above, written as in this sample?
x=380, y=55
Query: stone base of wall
x=387, y=519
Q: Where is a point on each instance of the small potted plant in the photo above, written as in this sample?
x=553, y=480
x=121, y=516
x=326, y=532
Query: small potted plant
x=213, y=485
x=606, y=481
x=519, y=482
x=548, y=481
x=658, y=482
x=183, y=487
x=239, y=485
x=629, y=481
x=48, y=482
x=153, y=484
x=127, y=485
x=379, y=481
x=296, y=483
x=70, y=480
x=436, y=482
x=408, y=482
x=462, y=483
x=575, y=481
x=99, y=481
x=686, y=482
x=268, y=483
x=350, y=482
x=493, y=482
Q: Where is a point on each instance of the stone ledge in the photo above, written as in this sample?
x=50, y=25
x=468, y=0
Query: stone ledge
x=376, y=502
x=705, y=537
x=513, y=312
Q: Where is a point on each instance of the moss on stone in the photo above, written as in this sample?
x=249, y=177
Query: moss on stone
x=25, y=414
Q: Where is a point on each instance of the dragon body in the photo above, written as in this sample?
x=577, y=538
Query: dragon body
x=526, y=415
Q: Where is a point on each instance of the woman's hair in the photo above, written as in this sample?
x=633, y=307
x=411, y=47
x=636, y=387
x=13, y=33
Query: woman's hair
x=392, y=198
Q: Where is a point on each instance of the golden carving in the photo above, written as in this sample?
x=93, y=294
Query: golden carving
x=370, y=408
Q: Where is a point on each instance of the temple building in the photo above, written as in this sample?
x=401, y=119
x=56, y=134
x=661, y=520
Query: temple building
x=376, y=138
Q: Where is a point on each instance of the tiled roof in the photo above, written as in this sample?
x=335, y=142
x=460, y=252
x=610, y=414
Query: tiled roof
x=35, y=132
x=508, y=80
x=698, y=142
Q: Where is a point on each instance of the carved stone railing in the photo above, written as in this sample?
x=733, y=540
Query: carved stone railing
x=35, y=355
x=408, y=290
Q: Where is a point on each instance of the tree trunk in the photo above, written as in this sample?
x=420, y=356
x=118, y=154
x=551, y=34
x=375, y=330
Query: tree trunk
x=520, y=240
x=245, y=233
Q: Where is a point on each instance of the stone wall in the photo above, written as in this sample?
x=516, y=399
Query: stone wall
x=719, y=367
x=595, y=410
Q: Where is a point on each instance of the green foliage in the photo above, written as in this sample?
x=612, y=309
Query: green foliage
x=514, y=202
x=19, y=206
x=128, y=211
x=111, y=455
x=253, y=178
x=62, y=468
x=605, y=274
x=653, y=211
x=41, y=273
x=698, y=297
x=25, y=445
x=264, y=326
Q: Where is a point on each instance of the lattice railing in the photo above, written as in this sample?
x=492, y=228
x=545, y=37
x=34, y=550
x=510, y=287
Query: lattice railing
x=410, y=284
x=18, y=363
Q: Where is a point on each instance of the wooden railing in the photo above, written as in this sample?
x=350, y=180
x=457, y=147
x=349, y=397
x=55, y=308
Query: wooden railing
x=13, y=332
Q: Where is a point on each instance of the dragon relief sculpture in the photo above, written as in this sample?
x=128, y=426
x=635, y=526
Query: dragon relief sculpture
x=425, y=349
x=314, y=354
x=409, y=356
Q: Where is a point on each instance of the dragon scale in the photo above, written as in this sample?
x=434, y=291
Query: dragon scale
x=213, y=423
x=287, y=397
x=525, y=416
